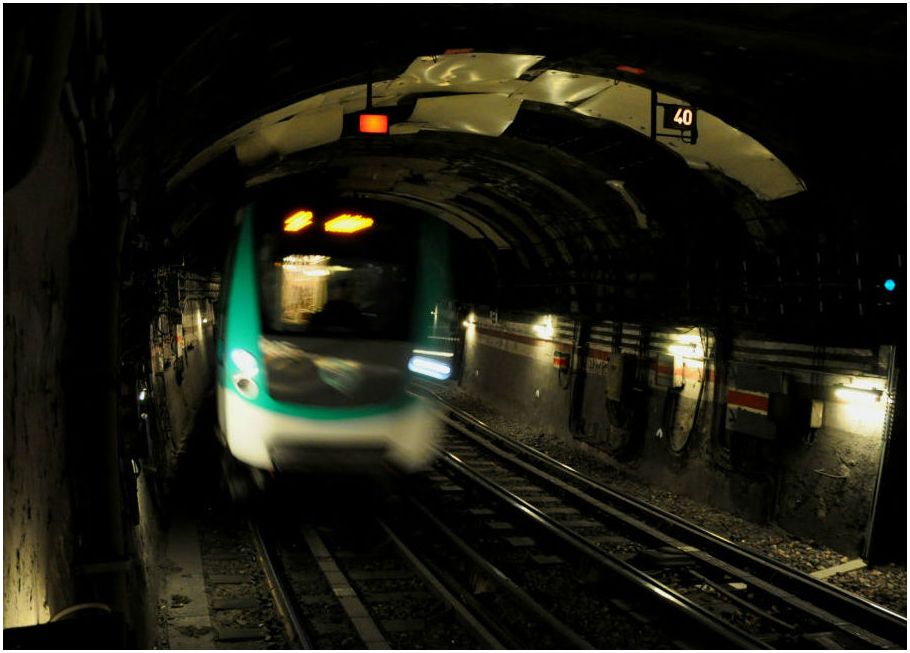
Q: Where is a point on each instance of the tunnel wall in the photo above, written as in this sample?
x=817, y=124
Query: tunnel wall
x=183, y=358
x=40, y=216
x=753, y=449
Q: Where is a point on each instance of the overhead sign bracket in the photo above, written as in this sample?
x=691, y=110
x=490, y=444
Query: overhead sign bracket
x=681, y=118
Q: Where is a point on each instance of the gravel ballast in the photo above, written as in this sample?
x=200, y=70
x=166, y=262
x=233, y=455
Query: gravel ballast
x=885, y=584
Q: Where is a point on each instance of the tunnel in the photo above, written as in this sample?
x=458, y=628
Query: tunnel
x=674, y=237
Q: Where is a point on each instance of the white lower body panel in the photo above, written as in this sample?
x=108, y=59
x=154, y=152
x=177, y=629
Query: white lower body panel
x=405, y=438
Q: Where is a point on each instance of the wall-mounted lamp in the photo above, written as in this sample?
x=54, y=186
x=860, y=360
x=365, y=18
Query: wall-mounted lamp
x=686, y=351
x=687, y=345
x=545, y=330
x=858, y=395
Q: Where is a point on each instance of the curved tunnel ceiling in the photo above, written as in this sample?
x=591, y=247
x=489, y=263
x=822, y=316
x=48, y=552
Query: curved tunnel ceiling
x=516, y=198
x=543, y=155
x=483, y=94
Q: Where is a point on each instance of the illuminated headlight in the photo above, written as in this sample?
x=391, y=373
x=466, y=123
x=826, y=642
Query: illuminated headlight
x=429, y=367
x=245, y=362
x=246, y=386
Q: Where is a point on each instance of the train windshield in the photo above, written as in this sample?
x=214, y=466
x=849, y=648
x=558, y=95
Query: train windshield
x=337, y=285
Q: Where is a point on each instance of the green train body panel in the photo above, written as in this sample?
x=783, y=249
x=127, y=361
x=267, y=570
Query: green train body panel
x=243, y=329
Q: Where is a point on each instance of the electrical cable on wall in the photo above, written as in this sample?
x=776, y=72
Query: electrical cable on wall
x=706, y=358
x=566, y=371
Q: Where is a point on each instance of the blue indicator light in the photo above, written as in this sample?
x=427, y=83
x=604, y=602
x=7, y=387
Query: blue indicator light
x=890, y=285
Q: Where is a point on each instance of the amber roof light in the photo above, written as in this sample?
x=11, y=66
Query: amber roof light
x=298, y=220
x=348, y=223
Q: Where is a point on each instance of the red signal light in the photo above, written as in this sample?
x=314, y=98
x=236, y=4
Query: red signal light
x=374, y=123
x=631, y=69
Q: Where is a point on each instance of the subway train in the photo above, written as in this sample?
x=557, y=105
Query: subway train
x=321, y=325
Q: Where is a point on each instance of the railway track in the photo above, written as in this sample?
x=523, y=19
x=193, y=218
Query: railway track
x=422, y=576
x=770, y=604
x=358, y=585
x=502, y=547
x=570, y=593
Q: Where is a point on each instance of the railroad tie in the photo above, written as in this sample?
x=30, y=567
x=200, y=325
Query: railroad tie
x=366, y=628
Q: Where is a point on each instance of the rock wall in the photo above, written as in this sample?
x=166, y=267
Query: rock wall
x=38, y=224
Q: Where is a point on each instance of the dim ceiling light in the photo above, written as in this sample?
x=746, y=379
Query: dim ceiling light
x=297, y=221
x=348, y=223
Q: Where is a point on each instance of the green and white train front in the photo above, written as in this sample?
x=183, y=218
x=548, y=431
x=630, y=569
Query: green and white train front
x=319, y=324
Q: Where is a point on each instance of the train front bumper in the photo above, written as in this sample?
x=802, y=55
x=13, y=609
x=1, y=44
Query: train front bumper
x=404, y=437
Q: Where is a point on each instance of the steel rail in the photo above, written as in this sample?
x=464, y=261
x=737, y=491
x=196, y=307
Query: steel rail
x=281, y=596
x=503, y=581
x=440, y=589
x=713, y=631
x=611, y=512
x=876, y=620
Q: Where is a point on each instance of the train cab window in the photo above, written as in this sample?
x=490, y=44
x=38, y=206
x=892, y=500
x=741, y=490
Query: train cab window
x=316, y=285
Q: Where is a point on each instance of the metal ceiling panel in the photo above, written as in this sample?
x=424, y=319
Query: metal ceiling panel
x=485, y=95
x=482, y=114
x=303, y=131
x=402, y=87
x=245, y=132
x=620, y=102
x=737, y=155
x=446, y=70
x=463, y=73
x=562, y=88
x=719, y=146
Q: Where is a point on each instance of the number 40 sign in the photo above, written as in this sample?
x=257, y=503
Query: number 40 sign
x=677, y=116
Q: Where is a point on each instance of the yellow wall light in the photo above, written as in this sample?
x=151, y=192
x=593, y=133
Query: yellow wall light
x=861, y=395
x=298, y=220
x=348, y=223
x=545, y=329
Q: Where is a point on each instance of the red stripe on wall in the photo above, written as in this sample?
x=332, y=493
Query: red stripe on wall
x=755, y=401
x=526, y=340
x=691, y=372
